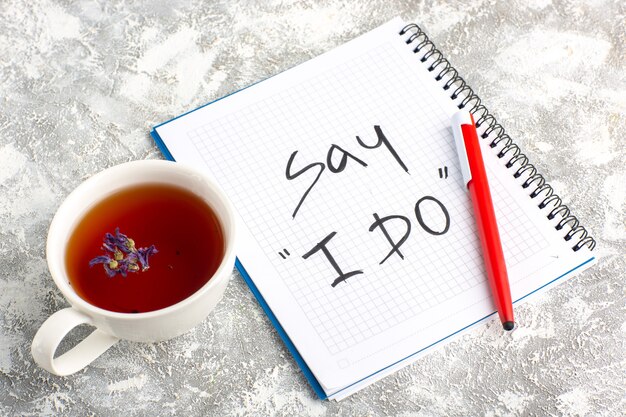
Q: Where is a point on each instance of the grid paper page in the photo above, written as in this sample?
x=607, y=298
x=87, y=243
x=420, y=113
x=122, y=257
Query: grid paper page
x=434, y=267
x=314, y=117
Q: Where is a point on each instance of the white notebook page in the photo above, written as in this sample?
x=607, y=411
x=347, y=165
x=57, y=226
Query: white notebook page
x=395, y=305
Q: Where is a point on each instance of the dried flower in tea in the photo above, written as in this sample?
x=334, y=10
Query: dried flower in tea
x=122, y=256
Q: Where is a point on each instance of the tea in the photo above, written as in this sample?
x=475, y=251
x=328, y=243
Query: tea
x=184, y=230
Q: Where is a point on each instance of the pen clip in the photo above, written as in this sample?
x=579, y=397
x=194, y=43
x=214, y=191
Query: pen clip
x=459, y=118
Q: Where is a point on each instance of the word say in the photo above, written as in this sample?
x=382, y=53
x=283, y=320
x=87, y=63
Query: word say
x=335, y=152
x=379, y=223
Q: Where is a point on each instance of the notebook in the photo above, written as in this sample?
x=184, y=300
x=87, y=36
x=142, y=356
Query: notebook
x=358, y=237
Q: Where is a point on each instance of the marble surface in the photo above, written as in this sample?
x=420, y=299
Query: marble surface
x=81, y=84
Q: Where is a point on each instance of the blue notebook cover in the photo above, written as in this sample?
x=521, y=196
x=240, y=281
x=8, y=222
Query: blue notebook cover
x=294, y=352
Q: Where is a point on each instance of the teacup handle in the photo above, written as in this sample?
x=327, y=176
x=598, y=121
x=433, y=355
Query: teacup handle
x=54, y=330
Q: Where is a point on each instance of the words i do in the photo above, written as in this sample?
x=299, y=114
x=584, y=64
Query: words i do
x=347, y=159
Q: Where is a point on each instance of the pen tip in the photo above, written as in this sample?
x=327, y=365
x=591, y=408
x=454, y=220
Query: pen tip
x=508, y=325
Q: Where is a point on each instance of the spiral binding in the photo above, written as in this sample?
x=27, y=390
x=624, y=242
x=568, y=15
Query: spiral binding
x=464, y=97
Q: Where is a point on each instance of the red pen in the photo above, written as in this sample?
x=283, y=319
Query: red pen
x=475, y=178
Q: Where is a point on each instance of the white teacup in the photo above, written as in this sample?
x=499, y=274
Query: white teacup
x=112, y=326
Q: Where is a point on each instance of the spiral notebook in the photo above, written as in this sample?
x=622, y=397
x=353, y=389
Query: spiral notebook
x=358, y=237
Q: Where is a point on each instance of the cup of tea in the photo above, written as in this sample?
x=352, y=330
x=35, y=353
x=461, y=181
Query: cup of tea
x=142, y=251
